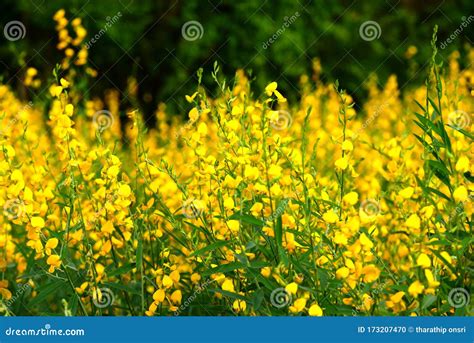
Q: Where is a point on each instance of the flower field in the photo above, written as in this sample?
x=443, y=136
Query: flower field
x=252, y=205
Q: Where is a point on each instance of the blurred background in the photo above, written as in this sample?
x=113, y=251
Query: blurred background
x=161, y=44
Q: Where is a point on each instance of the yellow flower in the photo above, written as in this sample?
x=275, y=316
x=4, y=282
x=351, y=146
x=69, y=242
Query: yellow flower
x=462, y=164
x=330, y=217
x=347, y=145
x=298, y=305
x=460, y=194
x=351, y=198
x=234, y=225
x=407, y=192
x=239, y=305
x=37, y=222
x=416, y=288
x=292, y=288
x=229, y=203
x=176, y=297
x=251, y=173
x=159, y=296
x=52, y=243
x=266, y=271
x=228, y=286
x=342, y=163
x=423, y=261
x=274, y=171
x=64, y=83
x=167, y=281
x=54, y=262
x=371, y=273
x=270, y=88
x=342, y=273
x=432, y=283
x=397, y=297
x=413, y=222
x=315, y=310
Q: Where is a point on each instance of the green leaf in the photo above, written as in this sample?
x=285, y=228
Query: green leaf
x=247, y=218
x=428, y=300
x=210, y=247
x=231, y=295
x=45, y=291
x=225, y=268
x=258, y=297
x=121, y=270
x=122, y=287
